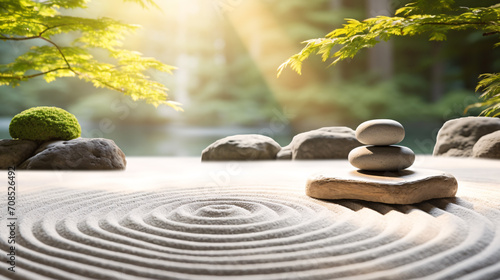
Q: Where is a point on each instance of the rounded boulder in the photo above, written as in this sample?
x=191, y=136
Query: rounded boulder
x=457, y=137
x=325, y=143
x=488, y=146
x=77, y=154
x=242, y=147
x=14, y=152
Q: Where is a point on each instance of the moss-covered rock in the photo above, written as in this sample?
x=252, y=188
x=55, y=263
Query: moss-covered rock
x=43, y=124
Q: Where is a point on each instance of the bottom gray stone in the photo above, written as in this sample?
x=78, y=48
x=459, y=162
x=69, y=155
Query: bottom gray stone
x=400, y=187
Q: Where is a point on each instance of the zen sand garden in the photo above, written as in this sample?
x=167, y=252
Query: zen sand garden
x=178, y=218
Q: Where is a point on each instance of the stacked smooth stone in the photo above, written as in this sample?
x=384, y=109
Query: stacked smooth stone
x=381, y=152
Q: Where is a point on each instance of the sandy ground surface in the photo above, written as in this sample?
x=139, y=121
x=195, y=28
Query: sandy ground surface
x=178, y=218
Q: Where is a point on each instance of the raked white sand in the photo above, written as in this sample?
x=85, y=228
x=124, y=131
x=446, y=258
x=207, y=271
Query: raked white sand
x=178, y=218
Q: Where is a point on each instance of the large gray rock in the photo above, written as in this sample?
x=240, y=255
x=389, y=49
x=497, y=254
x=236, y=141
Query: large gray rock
x=14, y=152
x=324, y=143
x=77, y=154
x=488, y=146
x=242, y=147
x=457, y=137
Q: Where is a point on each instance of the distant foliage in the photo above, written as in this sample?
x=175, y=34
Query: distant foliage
x=41, y=21
x=432, y=17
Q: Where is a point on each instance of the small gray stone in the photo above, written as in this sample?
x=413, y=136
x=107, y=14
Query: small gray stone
x=13, y=152
x=380, y=132
x=457, y=137
x=402, y=187
x=242, y=147
x=382, y=158
x=77, y=154
x=488, y=146
x=324, y=143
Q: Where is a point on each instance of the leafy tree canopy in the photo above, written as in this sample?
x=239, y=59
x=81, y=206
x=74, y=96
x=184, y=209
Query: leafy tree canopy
x=41, y=21
x=433, y=17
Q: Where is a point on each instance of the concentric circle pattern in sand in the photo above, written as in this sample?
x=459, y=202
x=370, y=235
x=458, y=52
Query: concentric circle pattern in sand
x=249, y=232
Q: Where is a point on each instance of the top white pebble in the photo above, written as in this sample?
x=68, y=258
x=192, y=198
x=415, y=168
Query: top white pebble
x=380, y=132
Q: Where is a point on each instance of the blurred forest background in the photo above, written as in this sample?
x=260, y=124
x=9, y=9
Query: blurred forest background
x=227, y=53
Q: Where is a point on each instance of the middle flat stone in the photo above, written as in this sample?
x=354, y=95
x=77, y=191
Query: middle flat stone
x=381, y=158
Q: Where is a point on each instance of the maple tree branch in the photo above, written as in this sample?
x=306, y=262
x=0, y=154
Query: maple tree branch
x=490, y=33
x=34, y=75
x=3, y=37
x=60, y=52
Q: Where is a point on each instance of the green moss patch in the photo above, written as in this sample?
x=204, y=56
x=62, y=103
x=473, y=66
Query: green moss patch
x=43, y=124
